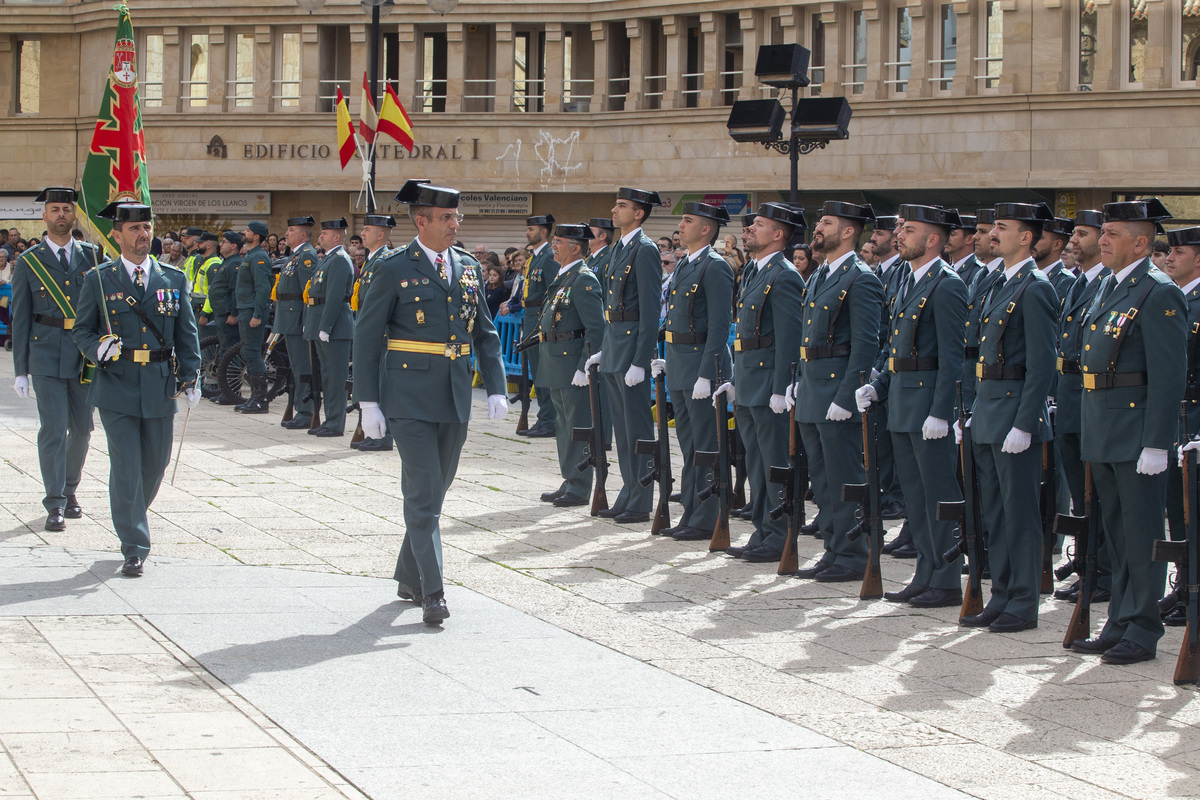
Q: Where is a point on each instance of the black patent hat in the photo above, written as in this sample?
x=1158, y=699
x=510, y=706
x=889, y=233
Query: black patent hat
x=420, y=192
x=603, y=223
x=748, y=220
x=985, y=216
x=580, y=232
x=931, y=215
x=1184, y=236
x=544, y=220
x=334, y=224
x=380, y=220
x=717, y=213
x=639, y=196
x=1061, y=226
x=886, y=222
x=57, y=194
x=784, y=214
x=301, y=221
x=852, y=211
x=967, y=221
x=124, y=211
x=1024, y=212
x=1148, y=210
x=1090, y=217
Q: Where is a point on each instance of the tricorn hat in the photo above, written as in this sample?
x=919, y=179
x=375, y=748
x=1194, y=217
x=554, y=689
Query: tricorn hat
x=787, y=215
x=544, y=220
x=604, y=223
x=1184, y=236
x=717, y=213
x=1061, y=226
x=1090, y=217
x=580, y=232
x=639, y=196
x=57, y=194
x=124, y=211
x=380, y=220
x=852, y=211
x=334, y=224
x=420, y=192
x=931, y=215
x=301, y=221
x=1148, y=210
x=985, y=216
x=966, y=221
x=1024, y=212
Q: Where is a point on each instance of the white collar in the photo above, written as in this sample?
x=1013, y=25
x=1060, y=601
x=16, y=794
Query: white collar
x=957, y=265
x=995, y=264
x=540, y=248
x=567, y=268
x=1094, y=272
x=833, y=265
x=919, y=272
x=1050, y=268
x=371, y=254
x=1188, y=289
x=693, y=256
x=627, y=237
x=1125, y=271
x=887, y=265
x=130, y=266
x=55, y=248
x=1013, y=270
x=433, y=254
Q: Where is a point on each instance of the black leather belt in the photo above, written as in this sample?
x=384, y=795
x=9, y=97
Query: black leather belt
x=145, y=356
x=972, y=353
x=1067, y=367
x=999, y=372
x=686, y=338
x=285, y=296
x=316, y=301
x=531, y=303
x=621, y=316
x=1113, y=380
x=824, y=351
x=54, y=322
x=912, y=364
x=560, y=337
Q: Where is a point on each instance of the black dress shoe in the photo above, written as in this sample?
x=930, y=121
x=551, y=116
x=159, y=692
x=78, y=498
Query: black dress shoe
x=905, y=594
x=55, y=520
x=1172, y=599
x=1069, y=593
x=296, y=423
x=372, y=445
x=839, y=574
x=132, y=567
x=73, y=509
x=1126, y=652
x=610, y=513
x=326, y=433
x=902, y=538
x=908, y=550
x=668, y=531
x=550, y=497
x=747, y=511
x=937, y=598
x=892, y=510
x=435, y=608
x=762, y=555
x=1011, y=623
x=1176, y=617
x=1094, y=646
x=540, y=432
x=689, y=534
x=980, y=620
x=811, y=529
x=815, y=570
x=736, y=552
x=409, y=594
x=632, y=517
x=568, y=500
x=676, y=498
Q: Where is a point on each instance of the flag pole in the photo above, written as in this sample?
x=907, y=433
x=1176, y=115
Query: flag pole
x=373, y=57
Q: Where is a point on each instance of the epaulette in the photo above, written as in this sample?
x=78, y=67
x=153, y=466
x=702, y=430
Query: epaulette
x=165, y=267
x=466, y=253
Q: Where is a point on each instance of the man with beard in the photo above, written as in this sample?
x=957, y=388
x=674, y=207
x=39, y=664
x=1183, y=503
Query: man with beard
x=219, y=305
x=960, y=249
x=924, y=364
x=893, y=270
x=539, y=271
x=1048, y=254
x=840, y=327
x=977, y=290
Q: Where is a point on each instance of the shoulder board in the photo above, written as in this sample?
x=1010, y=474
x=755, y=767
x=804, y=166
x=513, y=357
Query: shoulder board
x=166, y=267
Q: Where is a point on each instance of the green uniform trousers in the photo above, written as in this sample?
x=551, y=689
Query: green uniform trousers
x=1009, y=490
x=139, y=450
x=227, y=335
x=629, y=407
x=545, y=406
x=889, y=479
x=66, y=429
x=429, y=453
x=297, y=349
x=696, y=429
x=927, y=470
x=765, y=435
x=1133, y=520
x=252, y=343
x=1072, y=465
x=834, y=451
x=335, y=369
x=572, y=407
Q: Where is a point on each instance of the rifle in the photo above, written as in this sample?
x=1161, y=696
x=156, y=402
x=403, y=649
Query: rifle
x=314, y=385
x=867, y=497
x=660, y=458
x=1049, y=514
x=794, y=478
x=594, y=436
x=1086, y=531
x=289, y=384
x=967, y=514
x=737, y=467
x=718, y=463
x=525, y=382
x=1186, y=555
x=359, y=433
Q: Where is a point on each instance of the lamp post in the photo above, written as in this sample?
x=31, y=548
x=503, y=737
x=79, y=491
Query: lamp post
x=813, y=121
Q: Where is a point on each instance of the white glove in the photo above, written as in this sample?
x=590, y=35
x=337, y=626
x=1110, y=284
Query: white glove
x=594, y=358
x=373, y=423
x=1152, y=461
x=864, y=396
x=634, y=375
x=323, y=336
x=874, y=373
x=789, y=396
x=1017, y=441
x=1053, y=409
x=110, y=349
x=837, y=414
x=657, y=367
x=579, y=379
x=727, y=390
x=21, y=386
x=702, y=389
x=192, y=396
x=778, y=403
x=935, y=428
x=497, y=406
x=1183, y=450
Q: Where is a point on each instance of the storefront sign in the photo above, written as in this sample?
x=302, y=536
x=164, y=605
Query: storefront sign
x=385, y=151
x=20, y=207
x=239, y=203
x=478, y=204
x=735, y=202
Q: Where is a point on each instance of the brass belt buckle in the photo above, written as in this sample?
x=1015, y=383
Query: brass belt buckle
x=1089, y=381
x=68, y=324
x=670, y=337
x=141, y=356
x=892, y=364
x=979, y=370
x=737, y=346
x=1060, y=363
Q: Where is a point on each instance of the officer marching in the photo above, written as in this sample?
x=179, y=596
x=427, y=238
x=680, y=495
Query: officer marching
x=418, y=326
x=570, y=325
x=45, y=296
x=289, y=315
x=254, y=310
x=375, y=232
x=329, y=324
x=539, y=271
x=135, y=318
x=699, y=312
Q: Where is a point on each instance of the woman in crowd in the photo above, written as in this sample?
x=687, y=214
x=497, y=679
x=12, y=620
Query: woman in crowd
x=496, y=293
x=802, y=259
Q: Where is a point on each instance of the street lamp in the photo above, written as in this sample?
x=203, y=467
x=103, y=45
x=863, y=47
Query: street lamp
x=815, y=121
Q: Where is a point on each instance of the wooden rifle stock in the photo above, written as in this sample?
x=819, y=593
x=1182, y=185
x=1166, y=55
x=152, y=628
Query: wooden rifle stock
x=1049, y=514
x=359, y=433
x=872, y=522
x=793, y=494
x=523, y=392
x=969, y=518
x=1085, y=530
x=721, y=479
x=594, y=436
x=1187, y=666
x=314, y=385
x=662, y=459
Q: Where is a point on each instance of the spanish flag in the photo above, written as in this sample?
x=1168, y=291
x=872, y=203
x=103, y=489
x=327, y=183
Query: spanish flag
x=346, y=144
x=368, y=120
x=393, y=121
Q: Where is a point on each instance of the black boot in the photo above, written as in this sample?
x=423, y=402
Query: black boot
x=258, y=399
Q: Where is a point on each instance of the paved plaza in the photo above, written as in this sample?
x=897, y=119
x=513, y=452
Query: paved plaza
x=264, y=653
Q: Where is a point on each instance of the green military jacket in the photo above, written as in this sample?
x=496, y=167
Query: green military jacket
x=329, y=295
x=1060, y=279
x=1192, y=391
x=699, y=313
x=571, y=322
x=839, y=337
x=632, y=304
x=125, y=386
x=538, y=274
x=222, y=282
x=977, y=291
x=254, y=284
x=368, y=271
x=969, y=269
x=1118, y=422
x=597, y=262
x=1069, y=392
x=42, y=346
x=925, y=353
x=409, y=302
x=289, y=292
x=766, y=337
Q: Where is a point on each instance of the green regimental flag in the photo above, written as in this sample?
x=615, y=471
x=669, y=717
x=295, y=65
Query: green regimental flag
x=116, y=160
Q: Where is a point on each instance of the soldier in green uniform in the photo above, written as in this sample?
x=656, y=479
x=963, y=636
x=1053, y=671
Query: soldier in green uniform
x=1134, y=367
x=539, y=271
x=699, y=312
x=254, y=309
x=599, y=246
x=960, y=249
x=839, y=329
x=329, y=323
x=289, y=315
x=572, y=318
x=45, y=293
x=1013, y=375
x=375, y=232
x=977, y=290
x=924, y=363
x=419, y=323
x=221, y=305
x=136, y=321
x=632, y=302
x=1056, y=234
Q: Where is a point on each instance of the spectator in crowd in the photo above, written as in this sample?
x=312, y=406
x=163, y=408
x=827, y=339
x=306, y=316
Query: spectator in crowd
x=675, y=242
x=496, y=292
x=668, y=269
x=77, y=235
x=272, y=246
x=5, y=245
x=1159, y=255
x=480, y=251
x=664, y=244
x=1069, y=258
x=727, y=247
x=802, y=260
x=867, y=254
x=512, y=266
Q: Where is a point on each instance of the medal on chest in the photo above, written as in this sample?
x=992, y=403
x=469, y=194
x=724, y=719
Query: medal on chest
x=469, y=307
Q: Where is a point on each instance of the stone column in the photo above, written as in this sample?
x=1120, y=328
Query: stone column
x=218, y=62
x=922, y=47
x=969, y=37
x=505, y=61
x=675, y=33
x=454, y=66
x=1017, y=27
x=555, y=70
x=599, y=101
x=172, y=71
x=406, y=65
x=712, y=45
x=360, y=48
x=635, y=30
x=1161, y=66
x=310, y=69
x=752, y=37
x=880, y=33
x=831, y=83
x=1054, y=51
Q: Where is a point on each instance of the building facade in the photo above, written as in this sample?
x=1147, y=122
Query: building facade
x=541, y=106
